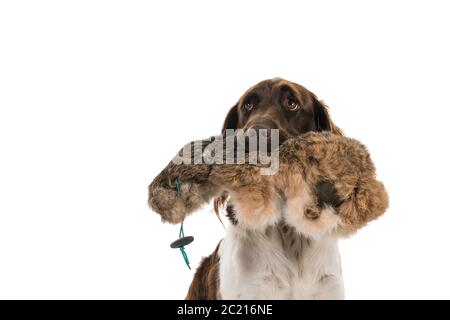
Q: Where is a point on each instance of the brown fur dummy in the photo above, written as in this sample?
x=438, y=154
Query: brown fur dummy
x=326, y=184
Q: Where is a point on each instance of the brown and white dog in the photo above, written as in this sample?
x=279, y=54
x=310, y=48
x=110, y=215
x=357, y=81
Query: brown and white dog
x=282, y=242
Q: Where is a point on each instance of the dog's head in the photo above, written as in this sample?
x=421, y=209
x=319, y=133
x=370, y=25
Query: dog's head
x=279, y=104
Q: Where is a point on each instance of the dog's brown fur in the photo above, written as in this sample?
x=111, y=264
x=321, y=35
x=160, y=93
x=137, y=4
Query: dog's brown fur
x=331, y=169
x=206, y=282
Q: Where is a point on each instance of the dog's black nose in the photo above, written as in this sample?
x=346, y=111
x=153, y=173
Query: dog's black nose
x=258, y=137
x=259, y=129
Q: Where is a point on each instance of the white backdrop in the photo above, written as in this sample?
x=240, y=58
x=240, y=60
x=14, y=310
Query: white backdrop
x=97, y=96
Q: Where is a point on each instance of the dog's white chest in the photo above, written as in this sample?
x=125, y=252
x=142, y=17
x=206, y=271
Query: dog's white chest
x=278, y=264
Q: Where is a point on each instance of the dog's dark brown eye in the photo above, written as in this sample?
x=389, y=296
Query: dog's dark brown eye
x=292, y=104
x=248, y=105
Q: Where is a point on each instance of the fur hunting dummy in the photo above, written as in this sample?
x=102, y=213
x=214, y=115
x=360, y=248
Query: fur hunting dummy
x=325, y=184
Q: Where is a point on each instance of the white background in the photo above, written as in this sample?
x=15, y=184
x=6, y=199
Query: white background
x=97, y=96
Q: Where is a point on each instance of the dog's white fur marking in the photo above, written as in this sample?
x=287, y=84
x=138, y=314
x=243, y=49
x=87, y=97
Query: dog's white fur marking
x=257, y=265
x=296, y=262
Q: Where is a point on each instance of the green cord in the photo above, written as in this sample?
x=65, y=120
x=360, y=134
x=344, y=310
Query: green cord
x=183, y=252
x=185, y=257
x=181, y=233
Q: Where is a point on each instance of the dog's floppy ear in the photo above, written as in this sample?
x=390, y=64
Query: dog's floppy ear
x=322, y=118
x=231, y=120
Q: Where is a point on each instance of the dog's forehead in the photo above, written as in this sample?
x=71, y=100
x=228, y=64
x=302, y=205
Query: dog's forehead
x=269, y=84
x=272, y=82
